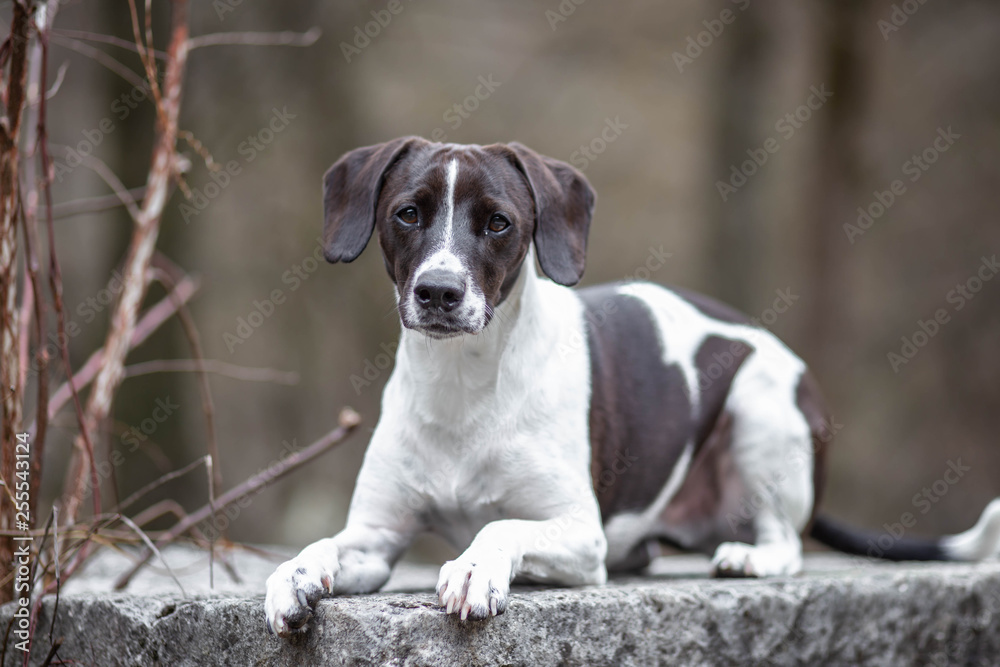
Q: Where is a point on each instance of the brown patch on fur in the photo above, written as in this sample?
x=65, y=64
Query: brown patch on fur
x=810, y=401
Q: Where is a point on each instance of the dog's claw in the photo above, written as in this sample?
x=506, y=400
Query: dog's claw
x=293, y=592
x=475, y=587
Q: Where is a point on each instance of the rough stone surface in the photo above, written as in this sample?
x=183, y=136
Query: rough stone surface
x=840, y=612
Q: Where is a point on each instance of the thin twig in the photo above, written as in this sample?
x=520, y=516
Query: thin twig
x=15, y=50
x=68, y=209
x=41, y=354
x=149, y=323
x=102, y=58
x=101, y=168
x=137, y=262
x=55, y=559
x=106, y=39
x=159, y=482
x=285, y=38
x=211, y=507
x=152, y=547
x=55, y=282
x=349, y=420
x=215, y=366
x=165, y=272
x=54, y=88
x=52, y=651
x=148, y=62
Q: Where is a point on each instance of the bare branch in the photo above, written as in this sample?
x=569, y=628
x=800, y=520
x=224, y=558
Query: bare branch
x=86, y=205
x=165, y=272
x=149, y=323
x=33, y=90
x=140, y=252
x=106, y=39
x=349, y=421
x=102, y=58
x=152, y=547
x=214, y=366
x=124, y=195
x=285, y=38
x=160, y=482
x=83, y=442
x=16, y=51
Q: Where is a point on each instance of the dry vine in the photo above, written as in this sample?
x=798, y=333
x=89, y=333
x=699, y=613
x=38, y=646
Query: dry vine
x=28, y=304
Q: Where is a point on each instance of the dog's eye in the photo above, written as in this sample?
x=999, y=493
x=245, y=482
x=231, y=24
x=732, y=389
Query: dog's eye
x=498, y=223
x=408, y=216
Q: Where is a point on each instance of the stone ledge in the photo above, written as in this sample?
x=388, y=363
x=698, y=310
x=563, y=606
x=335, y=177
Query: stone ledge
x=839, y=612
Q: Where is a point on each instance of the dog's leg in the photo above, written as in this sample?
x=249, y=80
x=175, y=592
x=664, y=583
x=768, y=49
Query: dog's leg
x=567, y=550
x=773, y=453
x=380, y=525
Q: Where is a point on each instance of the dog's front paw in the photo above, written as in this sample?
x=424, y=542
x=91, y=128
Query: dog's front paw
x=292, y=593
x=475, y=585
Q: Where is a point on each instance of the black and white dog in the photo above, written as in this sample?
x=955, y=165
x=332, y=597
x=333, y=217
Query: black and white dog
x=556, y=434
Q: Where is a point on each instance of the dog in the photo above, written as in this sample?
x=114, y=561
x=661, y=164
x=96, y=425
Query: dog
x=552, y=435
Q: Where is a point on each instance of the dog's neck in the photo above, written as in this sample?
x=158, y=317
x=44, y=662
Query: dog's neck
x=472, y=362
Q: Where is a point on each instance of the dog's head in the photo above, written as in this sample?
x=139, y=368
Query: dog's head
x=455, y=224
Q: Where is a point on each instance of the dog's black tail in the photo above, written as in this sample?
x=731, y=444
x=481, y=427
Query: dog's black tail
x=980, y=542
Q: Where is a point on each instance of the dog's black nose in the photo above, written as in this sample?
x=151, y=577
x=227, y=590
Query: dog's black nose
x=439, y=289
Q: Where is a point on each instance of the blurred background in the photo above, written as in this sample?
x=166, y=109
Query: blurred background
x=739, y=139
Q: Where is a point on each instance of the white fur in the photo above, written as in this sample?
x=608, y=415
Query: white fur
x=489, y=435
x=771, y=438
x=980, y=542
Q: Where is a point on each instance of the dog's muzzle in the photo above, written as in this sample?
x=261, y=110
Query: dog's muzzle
x=438, y=296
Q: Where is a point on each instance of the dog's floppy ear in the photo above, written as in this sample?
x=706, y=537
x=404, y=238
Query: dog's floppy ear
x=564, y=206
x=351, y=189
